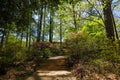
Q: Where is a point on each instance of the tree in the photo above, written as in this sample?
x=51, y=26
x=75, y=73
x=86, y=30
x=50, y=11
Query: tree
x=61, y=33
x=40, y=12
x=51, y=25
x=15, y=12
x=108, y=19
x=44, y=24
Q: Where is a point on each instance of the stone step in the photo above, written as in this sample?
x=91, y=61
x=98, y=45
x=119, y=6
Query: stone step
x=55, y=75
x=52, y=78
x=54, y=63
x=58, y=78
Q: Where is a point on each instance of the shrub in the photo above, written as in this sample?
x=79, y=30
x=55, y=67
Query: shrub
x=90, y=48
x=39, y=51
x=46, y=53
x=55, y=49
x=45, y=48
x=10, y=55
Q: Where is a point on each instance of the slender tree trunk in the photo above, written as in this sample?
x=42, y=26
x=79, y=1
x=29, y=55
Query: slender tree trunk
x=17, y=35
x=30, y=36
x=7, y=37
x=43, y=33
x=115, y=28
x=2, y=39
x=27, y=35
x=21, y=38
x=108, y=19
x=60, y=31
x=51, y=26
x=40, y=24
x=60, y=34
x=74, y=17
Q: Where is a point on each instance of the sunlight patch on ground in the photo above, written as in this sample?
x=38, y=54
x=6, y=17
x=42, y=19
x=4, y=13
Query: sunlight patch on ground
x=53, y=73
x=58, y=57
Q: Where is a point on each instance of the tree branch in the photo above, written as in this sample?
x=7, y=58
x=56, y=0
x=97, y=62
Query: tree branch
x=96, y=10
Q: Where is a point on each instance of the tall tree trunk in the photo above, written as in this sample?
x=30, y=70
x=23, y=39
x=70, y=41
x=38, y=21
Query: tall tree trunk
x=60, y=34
x=17, y=35
x=74, y=17
x=108, y=19
x=21, y=38
x=30, y=36
x=40, y=24
x=2, y=39
x=7, y=37
x=27, y=36
x=43, y=33
x=51, y=25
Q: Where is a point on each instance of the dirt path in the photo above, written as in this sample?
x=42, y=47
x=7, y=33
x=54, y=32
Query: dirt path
x=53, y=69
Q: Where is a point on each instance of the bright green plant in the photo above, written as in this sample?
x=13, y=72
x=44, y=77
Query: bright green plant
x=90, y=48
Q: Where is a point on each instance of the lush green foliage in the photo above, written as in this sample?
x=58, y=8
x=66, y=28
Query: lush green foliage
x=91, y=48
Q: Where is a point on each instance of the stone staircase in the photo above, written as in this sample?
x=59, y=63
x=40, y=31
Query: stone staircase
x=53, y=69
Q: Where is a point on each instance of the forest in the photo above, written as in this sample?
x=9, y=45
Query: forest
x=83, y=34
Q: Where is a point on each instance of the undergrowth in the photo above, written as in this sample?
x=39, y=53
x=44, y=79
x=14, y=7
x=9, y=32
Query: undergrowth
x=95, y=51
x=20, y=58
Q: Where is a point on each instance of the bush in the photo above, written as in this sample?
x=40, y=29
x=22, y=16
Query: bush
x=90, y=48
x=10, y=55
x=39, y=51
x=55, y=49
x=46, y=53
x=46, y=49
